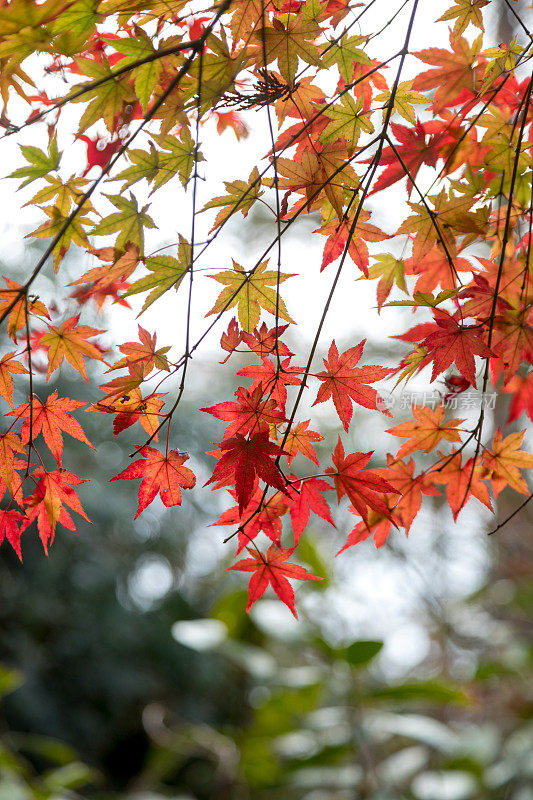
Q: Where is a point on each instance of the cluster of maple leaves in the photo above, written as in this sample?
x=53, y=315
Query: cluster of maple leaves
x=148, y=73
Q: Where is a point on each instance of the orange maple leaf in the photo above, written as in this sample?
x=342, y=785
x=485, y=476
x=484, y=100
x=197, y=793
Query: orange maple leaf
x=9, y=366
x=48, y=503
x=427, y=431
x=364, y=487
x=160, y=473
x=504, y=462
x=50, y=418
x=271, y=568
x=344, y=382
x=68, y=341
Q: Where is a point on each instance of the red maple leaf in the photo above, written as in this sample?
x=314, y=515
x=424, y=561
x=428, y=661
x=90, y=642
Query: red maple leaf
x=251, y=413
x=364, y=487
x=160, y=473
x=272, y=568
x=357, y=250
x=273, y=382
x=47, y=503
x=462, y=481
x=344, y=382
x=413, y=150
x=9, y=366
x=245, y=459
x=376, y=525
x=10, y=529
x=451, y=342
x=231, y=339
x=308, y=498
x=50, y=418
x=521, y=387
x=426, y=430
x=259, y=515
x=263, y=341
x=299, y=440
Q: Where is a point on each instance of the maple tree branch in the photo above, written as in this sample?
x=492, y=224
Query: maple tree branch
x=510, y=517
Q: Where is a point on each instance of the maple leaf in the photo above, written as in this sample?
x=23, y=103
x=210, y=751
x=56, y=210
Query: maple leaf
x=165, y=272
x=364, y=487
x=250, y=291
x=241, y=197
x=512, y=342
x=308, y=498
x=130, y=406
x=318, y=174
x=50, y=418
x=272, y=568
x=123, y=264
x=17, y=317
x=465, y=12
x=10, y=444
x=344, y=382
x=261, y=514
x=462, y=481
x=452, y=342
x=413, y=150
x=263, y=342
x=250, y=413
x=48, y=503
x=128, y=222
x=404, y=99
x=453, y=72
x=160, y=473
x=357, y=249
x=299, y=440
x=9, y=366
x=434, y=269
x=142, y=352
x=10, y=529
x=401, y=476
x=390, y=271
x=286, y=43
x=272, y=381
x=68, y=341
x=347, y=119
x=504, y=461
x=521, y=387
x=375, y=525
x=231, y=339
x=40, y=163
x=244, y=459
x=427, y=431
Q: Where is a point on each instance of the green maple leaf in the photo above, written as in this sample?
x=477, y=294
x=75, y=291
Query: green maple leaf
x=343, y=54
x=39, y=162
x=144, y=164
x=252, y=293
x=128, y=221
x=240, y=196
x=347, y=119
x=176, y=157
x=106, y=99
x=165, y=272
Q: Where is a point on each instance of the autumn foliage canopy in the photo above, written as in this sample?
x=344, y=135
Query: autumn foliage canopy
x=135, y=83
